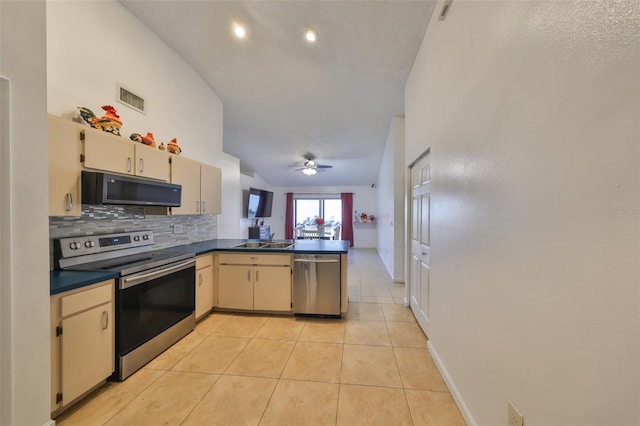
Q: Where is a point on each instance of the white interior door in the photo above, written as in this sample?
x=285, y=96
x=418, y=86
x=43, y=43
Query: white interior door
x=420, y=241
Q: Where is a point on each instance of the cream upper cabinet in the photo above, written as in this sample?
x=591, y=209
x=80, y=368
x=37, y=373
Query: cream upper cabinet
x=201, y=186
x=210, y=189
x=104, y=151
x=204, y=284
x=64, y=167
x=186, y=172
x=82, y=350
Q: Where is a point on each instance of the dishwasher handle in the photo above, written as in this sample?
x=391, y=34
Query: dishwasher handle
x=316, y=260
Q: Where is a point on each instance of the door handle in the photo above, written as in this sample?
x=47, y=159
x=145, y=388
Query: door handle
x=199, y=279
x=105, y=319
x=204, y=206
x=257, y=276
x=141, y=165
x=129, y=164
x=249, y=275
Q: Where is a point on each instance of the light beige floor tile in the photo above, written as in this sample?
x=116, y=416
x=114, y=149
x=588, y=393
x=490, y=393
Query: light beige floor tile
x=399, y=300
x=242, y=326
x=327, y=331
x=377, y=299
x=98, y=408
x=315, y=361
x=213, y=355
x=433, y=408
x=262, y=358
x=233, y=400
x=367, y=333
x=397, y=313
x=381, y=291
x=418, y=371
x=281, y=328
x=302, y=403
x=354, y=299
x=369, y=405
x=365, y=311
x=370, y=365
x=406, y=334
x=167, y=401
x=175, y=353
x=212, y=322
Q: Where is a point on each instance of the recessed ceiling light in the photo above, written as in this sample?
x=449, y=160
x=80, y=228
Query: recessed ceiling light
x=311, y=35
x=239, y=31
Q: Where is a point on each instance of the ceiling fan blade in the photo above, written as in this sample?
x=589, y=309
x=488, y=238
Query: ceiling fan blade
x=323, y=166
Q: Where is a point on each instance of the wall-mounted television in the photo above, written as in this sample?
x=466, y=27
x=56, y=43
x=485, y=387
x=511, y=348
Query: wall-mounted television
x=259, y=203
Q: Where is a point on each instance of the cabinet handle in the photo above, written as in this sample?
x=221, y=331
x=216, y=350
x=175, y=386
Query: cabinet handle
x=129, y=164
x=197, y=206
x=199, y=279
x=203, y=206
x=257, y=276
x=69, y=201
x=105, y=319
x=249, y=275
x=141, y=165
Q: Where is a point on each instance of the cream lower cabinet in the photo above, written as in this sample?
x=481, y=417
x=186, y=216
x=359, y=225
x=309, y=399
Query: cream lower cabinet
x=204, y=284
x=82, y=342
x=260, y=282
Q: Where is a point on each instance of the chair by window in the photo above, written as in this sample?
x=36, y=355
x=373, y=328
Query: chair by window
x=336, y=232
x=310, y=234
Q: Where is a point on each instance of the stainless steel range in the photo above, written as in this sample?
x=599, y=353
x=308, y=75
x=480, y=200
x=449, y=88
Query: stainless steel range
x=155, y=292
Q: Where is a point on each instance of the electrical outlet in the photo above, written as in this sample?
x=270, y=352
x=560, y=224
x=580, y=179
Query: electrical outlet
x=514, y=418
x=178, y=228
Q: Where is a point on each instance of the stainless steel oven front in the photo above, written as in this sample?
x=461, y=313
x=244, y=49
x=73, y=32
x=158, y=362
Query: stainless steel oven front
x=154, y=309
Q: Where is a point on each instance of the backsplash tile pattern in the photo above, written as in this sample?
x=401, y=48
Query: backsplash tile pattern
x=113, y=219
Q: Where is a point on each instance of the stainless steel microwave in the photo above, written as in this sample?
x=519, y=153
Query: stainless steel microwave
x=107, y=188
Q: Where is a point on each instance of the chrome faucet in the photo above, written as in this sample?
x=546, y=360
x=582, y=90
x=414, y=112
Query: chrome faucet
x=271, y=236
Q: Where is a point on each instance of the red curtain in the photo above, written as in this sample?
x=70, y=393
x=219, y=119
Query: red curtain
x=347, y=216
x=288, y=218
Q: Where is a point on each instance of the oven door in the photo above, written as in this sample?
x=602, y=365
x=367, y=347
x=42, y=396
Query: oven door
x=151, y=301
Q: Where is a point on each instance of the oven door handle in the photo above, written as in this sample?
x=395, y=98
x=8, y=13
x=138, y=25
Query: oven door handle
x=139, y=279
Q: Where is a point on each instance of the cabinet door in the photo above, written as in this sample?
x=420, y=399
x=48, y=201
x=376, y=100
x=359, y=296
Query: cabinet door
x=235, y=287
x=64, y=167
x=210, y=189
x=204, y=290
x=272, y=288
x=104, y=151
x=87, y=350
x=151, y=162
x=186, y=172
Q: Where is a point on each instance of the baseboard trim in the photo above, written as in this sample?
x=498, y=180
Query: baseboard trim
x=51, y=422
x=464, y=410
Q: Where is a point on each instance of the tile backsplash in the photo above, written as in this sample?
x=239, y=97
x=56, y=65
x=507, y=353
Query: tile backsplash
x=113, y=219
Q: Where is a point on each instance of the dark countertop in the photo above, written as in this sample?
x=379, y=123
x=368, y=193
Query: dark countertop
x=61, y=281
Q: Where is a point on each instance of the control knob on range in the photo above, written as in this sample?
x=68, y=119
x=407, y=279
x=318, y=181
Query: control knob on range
x=145, y=237
x=73, y=246
x=89, y=244
x=136, y=238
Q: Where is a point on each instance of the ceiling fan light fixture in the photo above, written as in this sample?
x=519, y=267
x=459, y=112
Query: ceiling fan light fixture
x=310, y=35
x=309, y=171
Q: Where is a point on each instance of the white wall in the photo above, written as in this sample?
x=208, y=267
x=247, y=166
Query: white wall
x=24, y=286
x=390, y=207
x=108, y=45
x=531, y=111
x=365, y=199
x=247, y=181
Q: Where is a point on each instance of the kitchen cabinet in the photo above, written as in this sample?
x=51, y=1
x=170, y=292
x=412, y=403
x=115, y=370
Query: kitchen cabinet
x=254, y=281
x=65, y=148
x=82, y=342
x=204, y=284
x=104, y=151
x=201, y=186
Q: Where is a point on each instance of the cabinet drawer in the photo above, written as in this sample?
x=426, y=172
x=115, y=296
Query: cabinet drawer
x=204, y=261
x=254, y=259
x=87, y=299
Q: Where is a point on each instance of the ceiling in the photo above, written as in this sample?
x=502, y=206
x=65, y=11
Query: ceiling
x=283, y=97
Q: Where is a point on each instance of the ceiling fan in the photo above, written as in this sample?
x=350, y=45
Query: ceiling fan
x=310, y=167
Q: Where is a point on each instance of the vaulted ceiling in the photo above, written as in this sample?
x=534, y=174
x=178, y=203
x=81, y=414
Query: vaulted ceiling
x=285, y=98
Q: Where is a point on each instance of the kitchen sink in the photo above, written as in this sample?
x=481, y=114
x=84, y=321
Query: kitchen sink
x=250, y=245
x=266, y=245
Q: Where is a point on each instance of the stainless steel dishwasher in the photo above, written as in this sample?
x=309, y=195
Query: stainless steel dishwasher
x=316, y=285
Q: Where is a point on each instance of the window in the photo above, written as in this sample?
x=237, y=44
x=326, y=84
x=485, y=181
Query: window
x=306, y=211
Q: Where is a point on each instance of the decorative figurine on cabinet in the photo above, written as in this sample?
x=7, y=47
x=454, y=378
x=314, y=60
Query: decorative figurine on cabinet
x=110, y=122
x=173, y=147
x=146, y=140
